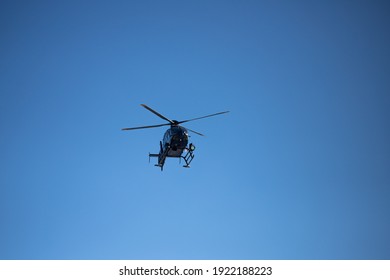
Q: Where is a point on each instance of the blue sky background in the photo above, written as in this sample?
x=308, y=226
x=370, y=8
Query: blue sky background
x=299, y=169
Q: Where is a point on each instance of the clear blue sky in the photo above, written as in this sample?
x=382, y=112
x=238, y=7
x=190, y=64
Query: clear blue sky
x=299, y=169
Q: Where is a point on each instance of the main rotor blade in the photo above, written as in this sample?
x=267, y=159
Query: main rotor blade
x=148, y=126
x=204, y=117
x=195, y=132
x=157, y=113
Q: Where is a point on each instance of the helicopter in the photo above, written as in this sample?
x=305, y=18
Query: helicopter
x=175, y=141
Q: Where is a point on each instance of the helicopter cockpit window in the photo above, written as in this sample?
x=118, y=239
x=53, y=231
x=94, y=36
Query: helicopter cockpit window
x=177, y=131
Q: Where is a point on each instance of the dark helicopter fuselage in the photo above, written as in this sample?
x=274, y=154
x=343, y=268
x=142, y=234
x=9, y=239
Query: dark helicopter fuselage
x=176, y=140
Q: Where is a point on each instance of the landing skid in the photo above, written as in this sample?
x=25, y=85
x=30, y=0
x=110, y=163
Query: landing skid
x=161, y=156
x=189, y=156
